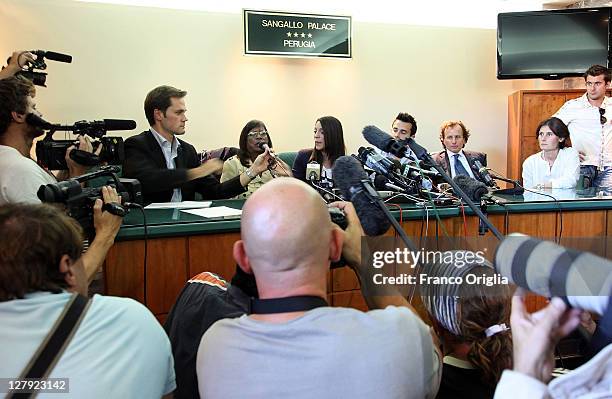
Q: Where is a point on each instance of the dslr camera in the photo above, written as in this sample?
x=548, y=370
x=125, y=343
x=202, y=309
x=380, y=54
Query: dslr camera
x=51, y=153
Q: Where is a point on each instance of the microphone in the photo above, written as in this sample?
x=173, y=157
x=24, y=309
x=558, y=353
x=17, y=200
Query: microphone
x=381, y=183
x=376, y=162
x=351, y=179
x=580, y=278
x=385, y=142
x=484, y=173
x=414, y=166
x=53, y=56
x=264, y=146
x=474, y=189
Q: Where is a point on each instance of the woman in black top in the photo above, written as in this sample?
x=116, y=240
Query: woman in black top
x=328, y=146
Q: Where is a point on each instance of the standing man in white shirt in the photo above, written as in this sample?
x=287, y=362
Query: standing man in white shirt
x=454, y=159
x=588, y=120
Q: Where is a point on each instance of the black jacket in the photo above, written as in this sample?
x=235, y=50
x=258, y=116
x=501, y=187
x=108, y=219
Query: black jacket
x=144, y=160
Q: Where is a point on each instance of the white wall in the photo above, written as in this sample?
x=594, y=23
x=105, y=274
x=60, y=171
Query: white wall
x=121, y=52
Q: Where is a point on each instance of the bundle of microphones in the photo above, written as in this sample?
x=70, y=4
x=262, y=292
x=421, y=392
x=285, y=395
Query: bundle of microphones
x=581, y=279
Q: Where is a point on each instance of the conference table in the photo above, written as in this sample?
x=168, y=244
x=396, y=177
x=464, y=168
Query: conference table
x=180, y=245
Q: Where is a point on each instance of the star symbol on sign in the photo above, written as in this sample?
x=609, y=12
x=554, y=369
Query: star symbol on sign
x=288, y=34
x=303, y=34
x=310, y=35
x=295, y=34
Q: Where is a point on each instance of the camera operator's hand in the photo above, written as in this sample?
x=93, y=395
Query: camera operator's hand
x=351, y=248
x=105, y=222
x=535, y=335
x=16, y=63
x=106, y=225
x=75, y=169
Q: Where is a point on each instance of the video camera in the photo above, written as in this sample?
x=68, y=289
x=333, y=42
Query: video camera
x=51, y=153
x=79, y=201
x=37, y=77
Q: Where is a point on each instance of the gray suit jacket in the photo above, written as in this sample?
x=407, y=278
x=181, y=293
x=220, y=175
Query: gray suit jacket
x=442, y=159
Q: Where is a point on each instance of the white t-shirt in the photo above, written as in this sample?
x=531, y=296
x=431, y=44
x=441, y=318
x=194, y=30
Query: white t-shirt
x=563, y=174
x=118, y=351
x=20, y=177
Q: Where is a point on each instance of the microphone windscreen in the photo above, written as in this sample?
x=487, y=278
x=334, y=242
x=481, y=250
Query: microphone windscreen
x=380, y=182
x=471, y=187
x=377, y=137
x=348, y=173
x=51, y=55
x=119, y=124
x=348, y=176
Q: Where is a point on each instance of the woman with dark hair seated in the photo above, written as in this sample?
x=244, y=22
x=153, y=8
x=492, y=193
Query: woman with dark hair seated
x=328, y=146
x=252, y=138
x=556, y=166
x=471, y=317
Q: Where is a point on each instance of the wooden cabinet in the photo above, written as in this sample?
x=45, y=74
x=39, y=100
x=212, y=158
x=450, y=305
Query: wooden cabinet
x=526, y=109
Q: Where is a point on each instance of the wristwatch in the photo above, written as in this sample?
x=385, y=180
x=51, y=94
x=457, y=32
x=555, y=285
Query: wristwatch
x=249, y=174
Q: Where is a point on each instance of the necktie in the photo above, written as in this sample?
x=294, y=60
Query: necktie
x=459, y=169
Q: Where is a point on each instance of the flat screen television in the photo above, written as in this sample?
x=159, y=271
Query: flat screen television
x=552, y=44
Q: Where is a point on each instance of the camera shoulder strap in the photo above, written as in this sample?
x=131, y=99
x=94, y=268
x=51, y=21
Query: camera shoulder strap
x=56, y=341
x=301, y=303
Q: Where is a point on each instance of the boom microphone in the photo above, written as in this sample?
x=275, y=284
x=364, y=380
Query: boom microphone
x=383, y=141
x=582, y=279
x=53, y=56
x=350, y=178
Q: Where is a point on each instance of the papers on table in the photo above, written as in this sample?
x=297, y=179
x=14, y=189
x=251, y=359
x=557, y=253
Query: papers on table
x=216, y=212
x=179, y=205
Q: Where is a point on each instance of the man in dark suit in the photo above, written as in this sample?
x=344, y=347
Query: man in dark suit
x=168, y=168
x=454, y=159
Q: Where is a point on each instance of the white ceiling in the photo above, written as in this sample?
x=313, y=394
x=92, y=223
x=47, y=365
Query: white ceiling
x=466, y=13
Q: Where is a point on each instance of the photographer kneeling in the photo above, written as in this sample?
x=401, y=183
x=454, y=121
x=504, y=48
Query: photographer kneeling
x=21, y=177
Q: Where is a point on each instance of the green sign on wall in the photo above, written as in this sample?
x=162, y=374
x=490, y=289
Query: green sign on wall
x=292, y=34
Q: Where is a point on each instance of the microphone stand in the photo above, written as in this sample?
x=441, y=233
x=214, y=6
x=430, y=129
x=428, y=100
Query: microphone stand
x=516, y=189
x=373, y=196
x=423, y=155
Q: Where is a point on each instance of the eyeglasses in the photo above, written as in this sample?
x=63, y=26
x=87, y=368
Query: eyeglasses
x=602, y=118
x=261, y=134
x=596, y=84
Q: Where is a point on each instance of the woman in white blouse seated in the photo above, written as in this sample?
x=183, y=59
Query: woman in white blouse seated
x=556, y=166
